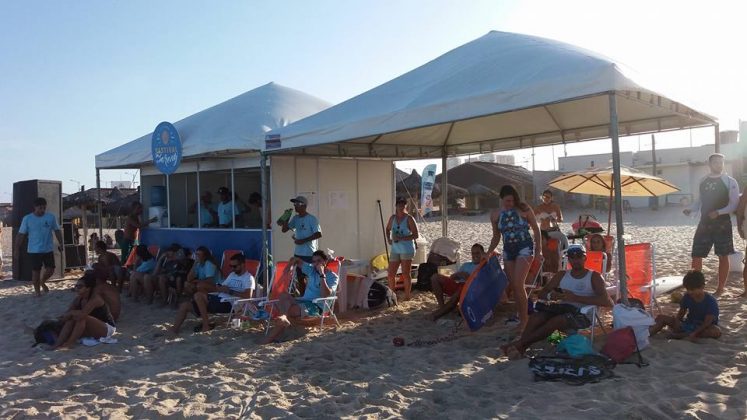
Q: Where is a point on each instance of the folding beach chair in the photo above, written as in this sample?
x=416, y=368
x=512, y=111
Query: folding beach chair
x=252, y=266
x=281, y=282
x=641, y=272
x=225, y=261
x=534, y=276
x=154, y=250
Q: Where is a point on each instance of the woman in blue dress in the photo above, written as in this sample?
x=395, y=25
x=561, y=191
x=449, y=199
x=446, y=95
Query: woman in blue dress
x=512, y=223
x=401, y=231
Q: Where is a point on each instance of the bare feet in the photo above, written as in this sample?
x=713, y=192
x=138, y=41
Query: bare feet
x=512, y=351
x=743, y=295
x=45, y=288
x=719, y=292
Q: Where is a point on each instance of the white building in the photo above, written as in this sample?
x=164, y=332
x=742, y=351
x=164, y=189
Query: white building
x=684, y=167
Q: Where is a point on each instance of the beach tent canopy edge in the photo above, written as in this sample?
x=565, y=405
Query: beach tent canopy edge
x=237, y=125
x=503, y=91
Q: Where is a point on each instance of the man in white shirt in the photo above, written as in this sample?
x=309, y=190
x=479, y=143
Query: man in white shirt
x=239, y=283
x=718, y=197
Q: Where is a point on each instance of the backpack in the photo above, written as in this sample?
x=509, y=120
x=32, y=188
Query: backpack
x=635, y=317
x=425, y=272
x=621, y=344
x=380, y=296
x=47, y=332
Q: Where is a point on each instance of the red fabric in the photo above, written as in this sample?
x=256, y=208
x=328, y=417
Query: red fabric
x=451, y=287
x=252, y=266
x=620, y=344
x=639, y=267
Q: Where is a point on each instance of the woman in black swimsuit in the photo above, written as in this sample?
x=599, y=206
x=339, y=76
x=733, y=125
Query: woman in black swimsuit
x=88, y=315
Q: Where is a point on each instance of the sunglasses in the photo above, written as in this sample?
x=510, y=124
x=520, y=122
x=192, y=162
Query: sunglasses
x=234, y=266
x=576, y=255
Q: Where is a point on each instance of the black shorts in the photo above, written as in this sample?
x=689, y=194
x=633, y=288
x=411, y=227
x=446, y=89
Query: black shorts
x=38, y=260
x=716, y=234
x=214, y=306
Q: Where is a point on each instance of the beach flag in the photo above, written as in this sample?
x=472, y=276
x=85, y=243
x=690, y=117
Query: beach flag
x=426, y=188
x=482, y=292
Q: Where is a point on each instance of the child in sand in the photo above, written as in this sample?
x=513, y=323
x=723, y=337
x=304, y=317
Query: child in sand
x=700, y=307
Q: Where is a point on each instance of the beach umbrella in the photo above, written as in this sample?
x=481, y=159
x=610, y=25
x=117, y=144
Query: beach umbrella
x=633, y=183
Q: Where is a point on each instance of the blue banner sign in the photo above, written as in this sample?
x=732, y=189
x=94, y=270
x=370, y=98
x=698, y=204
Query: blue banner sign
x=166, y=148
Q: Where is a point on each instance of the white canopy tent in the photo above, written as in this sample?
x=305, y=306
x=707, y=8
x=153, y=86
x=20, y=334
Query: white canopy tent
x=234, y=126
x=224, y=131
x=500, y=92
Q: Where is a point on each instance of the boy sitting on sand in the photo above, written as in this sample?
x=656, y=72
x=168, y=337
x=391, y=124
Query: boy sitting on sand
x=700, y=307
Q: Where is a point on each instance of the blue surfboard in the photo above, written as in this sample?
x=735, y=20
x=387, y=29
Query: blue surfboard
x=482, y=292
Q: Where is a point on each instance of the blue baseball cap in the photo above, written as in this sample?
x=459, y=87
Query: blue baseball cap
x=576, y=249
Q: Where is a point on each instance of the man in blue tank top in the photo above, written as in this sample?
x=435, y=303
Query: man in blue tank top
x=718, y=198
x=38, y=228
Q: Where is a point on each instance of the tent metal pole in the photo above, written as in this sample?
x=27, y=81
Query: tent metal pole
x=263, y=191
x=168, y=201
x=98, y=204
x=617, y=184
x=233, y=198
x=444, y=196
x=199, y=198
x=717, y=138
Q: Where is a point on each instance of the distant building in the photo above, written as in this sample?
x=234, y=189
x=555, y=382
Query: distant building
x=121, y=184
x=684, y=167
x=492, y=158
x=453, y=162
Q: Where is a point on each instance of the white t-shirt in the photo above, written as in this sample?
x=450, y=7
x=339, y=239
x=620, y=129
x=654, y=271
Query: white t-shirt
x=238, y=283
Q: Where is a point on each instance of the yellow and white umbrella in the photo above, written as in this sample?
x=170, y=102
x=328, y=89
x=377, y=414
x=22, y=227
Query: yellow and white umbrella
x=634, y=183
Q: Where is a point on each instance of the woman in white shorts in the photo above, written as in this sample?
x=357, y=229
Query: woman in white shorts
x=401, y=231
x=88, y=315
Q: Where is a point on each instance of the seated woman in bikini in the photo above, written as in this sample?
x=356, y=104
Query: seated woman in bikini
x=88, y=315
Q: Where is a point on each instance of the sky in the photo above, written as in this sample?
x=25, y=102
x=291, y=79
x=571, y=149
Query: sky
x=79, y=78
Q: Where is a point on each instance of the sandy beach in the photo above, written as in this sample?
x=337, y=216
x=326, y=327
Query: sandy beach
x=355, y=371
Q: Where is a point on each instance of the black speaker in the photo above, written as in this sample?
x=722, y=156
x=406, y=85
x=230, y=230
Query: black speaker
x=68, y=235
x=75, y=256
x=24, y=194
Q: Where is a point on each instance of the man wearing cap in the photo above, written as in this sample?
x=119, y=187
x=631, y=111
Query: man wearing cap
x=718, y=198
x=227, y=210
x=306, y=228
x=566, y=294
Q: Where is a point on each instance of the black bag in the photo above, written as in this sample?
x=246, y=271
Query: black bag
x=573, y=371
x=380, y=296
x=425, y=272
x=47, y=332
x=555, y=309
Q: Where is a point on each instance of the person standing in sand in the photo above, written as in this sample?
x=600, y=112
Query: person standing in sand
x=512, y=223
x=718, y=198
x=401, y=231
x=132, y=227
x=549, y=215
x=305, y=227
x=38, y=227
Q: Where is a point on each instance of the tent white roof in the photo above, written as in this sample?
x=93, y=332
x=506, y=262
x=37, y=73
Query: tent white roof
x=501, y=91
x=236, y=125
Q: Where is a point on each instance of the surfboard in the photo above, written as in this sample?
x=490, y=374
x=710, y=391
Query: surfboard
x=664, y=285
x=481, y=292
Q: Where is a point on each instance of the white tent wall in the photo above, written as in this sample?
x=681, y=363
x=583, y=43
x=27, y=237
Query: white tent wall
x=342, y=193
